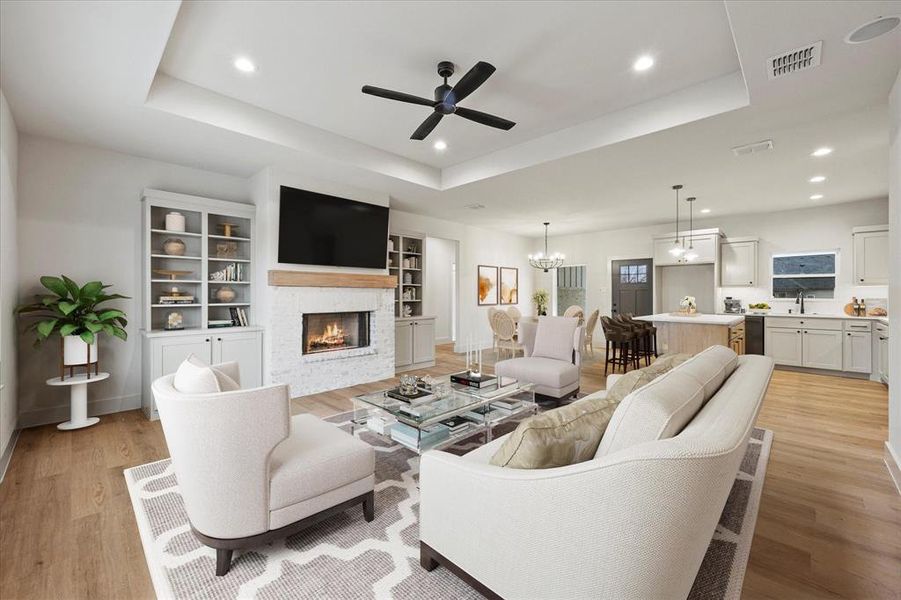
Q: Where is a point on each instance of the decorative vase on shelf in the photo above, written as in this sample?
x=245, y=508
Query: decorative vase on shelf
x=174, y=321
x=408, y=278
x=174, y=247
x=175, y=221
x=390, y=245
x=225, y=294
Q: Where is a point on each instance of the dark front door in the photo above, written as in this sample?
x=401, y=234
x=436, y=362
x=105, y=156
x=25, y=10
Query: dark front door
x=632, y=285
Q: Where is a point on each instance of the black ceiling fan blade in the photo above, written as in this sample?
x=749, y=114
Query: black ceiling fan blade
x=393, y=95
x=427, y=126
x=484, y=118
x=470, y=82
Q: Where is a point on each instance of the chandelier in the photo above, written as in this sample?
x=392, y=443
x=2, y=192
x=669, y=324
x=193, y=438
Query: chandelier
x=545, y=261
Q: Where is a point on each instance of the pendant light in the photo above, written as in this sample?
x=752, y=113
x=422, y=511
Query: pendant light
x=690, y=254
x=677, y=249
x=545, y=261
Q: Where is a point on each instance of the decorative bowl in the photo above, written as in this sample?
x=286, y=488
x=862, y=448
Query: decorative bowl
x=174, y=247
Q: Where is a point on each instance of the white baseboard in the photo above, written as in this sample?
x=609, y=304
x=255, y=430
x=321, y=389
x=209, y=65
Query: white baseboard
x=8, y=453
x=58, y=414
x=894, y=465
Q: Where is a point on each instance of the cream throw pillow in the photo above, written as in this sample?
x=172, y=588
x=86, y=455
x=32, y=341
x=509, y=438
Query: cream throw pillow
x=633, y=380
x=563, y=436
x=196, y=377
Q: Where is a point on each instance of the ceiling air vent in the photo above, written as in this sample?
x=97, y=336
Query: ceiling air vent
x=795, y=60
x=753, y=148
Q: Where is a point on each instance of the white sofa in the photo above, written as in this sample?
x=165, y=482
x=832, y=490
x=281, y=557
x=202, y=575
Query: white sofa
x=634, y=522
x=552, y=362
x=249, y=472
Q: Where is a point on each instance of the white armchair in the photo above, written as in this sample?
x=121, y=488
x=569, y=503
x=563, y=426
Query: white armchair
x=249, y=472
x=552, y=357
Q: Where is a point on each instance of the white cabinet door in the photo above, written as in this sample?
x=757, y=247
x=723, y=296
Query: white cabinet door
x=174, y=350
x=403, y=343
x=423, y=341
x=883, y=357
x=858, y=350
x=783, y=346
x=871, y=253
x=704, y=247
x=662, y=257
x=822, y=349
x=739, y=264
x=246, y=350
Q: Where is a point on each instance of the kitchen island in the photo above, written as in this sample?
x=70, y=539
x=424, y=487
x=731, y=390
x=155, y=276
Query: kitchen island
x=690, y=334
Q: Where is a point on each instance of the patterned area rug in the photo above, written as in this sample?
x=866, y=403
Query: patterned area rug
x=346, y=557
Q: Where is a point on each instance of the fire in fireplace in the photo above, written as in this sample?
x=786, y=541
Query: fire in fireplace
x=327, y=332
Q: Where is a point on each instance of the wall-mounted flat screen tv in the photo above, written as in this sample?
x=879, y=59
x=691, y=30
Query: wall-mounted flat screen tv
x=318, y=229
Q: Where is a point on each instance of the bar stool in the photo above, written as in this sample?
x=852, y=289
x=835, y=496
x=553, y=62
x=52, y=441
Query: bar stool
x=623, y=342
x=642, y=342
x=650, y=341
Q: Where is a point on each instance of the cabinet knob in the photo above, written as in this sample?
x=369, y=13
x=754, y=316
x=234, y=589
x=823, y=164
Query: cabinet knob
x=219, y=339
x=208, y=339
x=861, y=278
x=849, y=333
x=799, y=331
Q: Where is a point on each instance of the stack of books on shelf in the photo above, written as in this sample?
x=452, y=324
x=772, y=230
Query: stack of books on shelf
x=456, y=424
x=232, y=272
x=176, y=299
x=380, y=424
x=408, y=436
x=238, y=319
x=468, y=379
x=507, y=405
x=485, y=413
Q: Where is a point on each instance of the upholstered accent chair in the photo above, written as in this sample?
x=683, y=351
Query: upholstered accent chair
x=250, y=473
x=552, y=357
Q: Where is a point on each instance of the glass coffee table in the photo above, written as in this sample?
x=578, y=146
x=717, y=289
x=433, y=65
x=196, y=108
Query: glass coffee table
x=458, y=413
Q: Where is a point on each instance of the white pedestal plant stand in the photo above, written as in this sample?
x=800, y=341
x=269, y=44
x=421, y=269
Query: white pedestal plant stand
x=78, y=398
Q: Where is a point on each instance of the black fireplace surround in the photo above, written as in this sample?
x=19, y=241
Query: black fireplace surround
x=329, y=332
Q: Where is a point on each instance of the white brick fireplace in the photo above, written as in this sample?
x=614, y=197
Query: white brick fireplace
x=313, y=373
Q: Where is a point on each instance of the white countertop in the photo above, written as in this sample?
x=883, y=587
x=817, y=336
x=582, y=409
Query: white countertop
x=697, y=319
x=818, y=316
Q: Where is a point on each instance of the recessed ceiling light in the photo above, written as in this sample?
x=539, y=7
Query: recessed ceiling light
x=817, y=197
x=245, y=65
x=705, y=210
x=817, y=179
x=440, y=145
x=872, y=30
x=643, y=63
x=821, y=151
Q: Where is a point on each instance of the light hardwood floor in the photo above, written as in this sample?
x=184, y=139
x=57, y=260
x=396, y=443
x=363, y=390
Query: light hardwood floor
x=829, y=523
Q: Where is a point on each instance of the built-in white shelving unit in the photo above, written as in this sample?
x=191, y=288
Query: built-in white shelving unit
x=218, y=237
x=406, y=260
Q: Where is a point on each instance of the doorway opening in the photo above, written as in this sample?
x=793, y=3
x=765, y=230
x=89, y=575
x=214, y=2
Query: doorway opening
x=632, y=286
x=570, y=288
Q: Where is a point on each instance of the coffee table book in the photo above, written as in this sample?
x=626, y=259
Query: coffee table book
x=468, y=379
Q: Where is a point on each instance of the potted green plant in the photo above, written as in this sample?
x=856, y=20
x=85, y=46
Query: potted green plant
x=540, y=298
x=77, y=314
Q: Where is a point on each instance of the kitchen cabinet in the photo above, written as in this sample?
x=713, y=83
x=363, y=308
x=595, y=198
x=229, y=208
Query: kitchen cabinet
x=871, y=255
x=705, y=242
x=857, y=352
x=821, y=349
x=783, y=345
x=414, y=343
x=738, y=260
x=880, y=351
x=163, y=353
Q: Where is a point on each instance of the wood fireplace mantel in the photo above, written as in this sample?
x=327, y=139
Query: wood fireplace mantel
x=313, y=279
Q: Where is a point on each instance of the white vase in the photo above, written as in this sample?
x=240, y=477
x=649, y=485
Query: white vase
x=75, y=351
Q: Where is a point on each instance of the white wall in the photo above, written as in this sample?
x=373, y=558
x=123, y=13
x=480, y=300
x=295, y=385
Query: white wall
x=894, y=417
x=437, y=300
x=9, y=157
x=816, y=228
x=477, y=247
x=80, y=215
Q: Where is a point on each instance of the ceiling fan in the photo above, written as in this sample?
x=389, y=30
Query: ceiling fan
x=446, y=98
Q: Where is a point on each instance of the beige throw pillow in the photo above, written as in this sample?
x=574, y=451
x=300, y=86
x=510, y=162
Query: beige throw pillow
x=563, y=436
x=633, y=380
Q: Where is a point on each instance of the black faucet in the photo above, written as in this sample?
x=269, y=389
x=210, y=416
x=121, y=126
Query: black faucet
x=800, y=300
